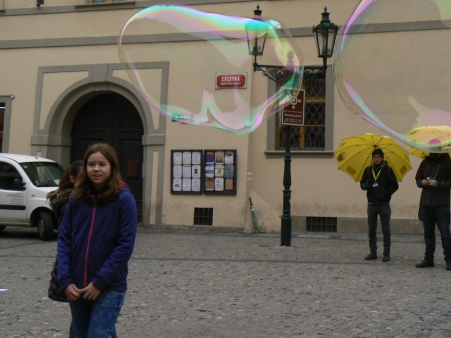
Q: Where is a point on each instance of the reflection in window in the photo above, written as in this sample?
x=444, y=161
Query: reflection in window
x=43, y=174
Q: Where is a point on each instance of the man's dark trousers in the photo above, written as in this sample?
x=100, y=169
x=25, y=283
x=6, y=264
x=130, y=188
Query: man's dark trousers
x=384, y=211
x=439, y=215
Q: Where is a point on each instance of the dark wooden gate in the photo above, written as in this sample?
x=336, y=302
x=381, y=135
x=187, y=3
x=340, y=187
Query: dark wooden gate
x=111, y=118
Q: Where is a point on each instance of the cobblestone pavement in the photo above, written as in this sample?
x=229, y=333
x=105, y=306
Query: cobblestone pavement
x=209, y=284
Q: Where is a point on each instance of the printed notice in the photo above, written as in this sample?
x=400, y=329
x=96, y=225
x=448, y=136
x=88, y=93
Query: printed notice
x=219, y=184
x=186, y=184
x=219, y=157
x=228, y=157
x=196, y=157
x=210, y=157
x=177, y=184
x=209, y=183
x=219, y=170
x=186, y=157
x=186, y=170
x=195, y=184
x=196, y=171
x=228, y=184
x=177, y=171
x=228, y=171
x=177, y=157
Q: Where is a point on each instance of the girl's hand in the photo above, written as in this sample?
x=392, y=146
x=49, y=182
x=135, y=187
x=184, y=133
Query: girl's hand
x=72, y=292
x=91, y=292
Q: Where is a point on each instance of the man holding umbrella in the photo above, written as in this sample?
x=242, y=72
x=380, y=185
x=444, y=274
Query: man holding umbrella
x=380, y=183
x=434, y=177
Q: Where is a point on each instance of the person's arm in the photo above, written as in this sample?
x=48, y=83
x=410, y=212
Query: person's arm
x=364, y=180
x=444, y=184
x=392, y=182
x=63, y=256
x=419, y=177
x=121, y=254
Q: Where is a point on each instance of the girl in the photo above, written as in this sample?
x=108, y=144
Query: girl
x=95, y=243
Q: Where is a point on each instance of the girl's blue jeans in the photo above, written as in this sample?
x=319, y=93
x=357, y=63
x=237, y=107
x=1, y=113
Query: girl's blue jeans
x=97, y=319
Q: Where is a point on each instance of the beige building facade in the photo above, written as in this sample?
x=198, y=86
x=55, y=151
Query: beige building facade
x=64, y=88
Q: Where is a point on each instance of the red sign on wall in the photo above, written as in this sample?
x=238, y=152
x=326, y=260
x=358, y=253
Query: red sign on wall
x=231, y=81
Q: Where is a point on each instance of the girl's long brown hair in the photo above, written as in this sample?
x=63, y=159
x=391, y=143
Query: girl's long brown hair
x=85, y=190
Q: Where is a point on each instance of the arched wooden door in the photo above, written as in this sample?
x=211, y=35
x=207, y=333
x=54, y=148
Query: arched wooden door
x=111, y=118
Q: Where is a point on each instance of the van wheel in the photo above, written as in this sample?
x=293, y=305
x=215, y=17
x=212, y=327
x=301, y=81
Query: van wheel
x=2, y=228
x=45, y=226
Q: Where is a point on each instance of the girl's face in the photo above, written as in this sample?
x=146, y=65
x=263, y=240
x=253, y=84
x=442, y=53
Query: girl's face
x=99, y=169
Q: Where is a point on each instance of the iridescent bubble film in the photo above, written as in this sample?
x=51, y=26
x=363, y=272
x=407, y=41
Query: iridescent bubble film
x=391, y=67
x=197, y=46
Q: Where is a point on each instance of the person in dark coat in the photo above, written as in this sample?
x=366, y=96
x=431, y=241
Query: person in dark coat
x=380, y=183
x=434, y=178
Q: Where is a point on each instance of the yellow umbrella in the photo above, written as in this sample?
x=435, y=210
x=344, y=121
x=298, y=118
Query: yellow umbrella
x=419, y=153
x=355, y=154
x=432, y=137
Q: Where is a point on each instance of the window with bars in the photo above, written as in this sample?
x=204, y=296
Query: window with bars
x=312, y=135
x=203, y=216
x=322, y=224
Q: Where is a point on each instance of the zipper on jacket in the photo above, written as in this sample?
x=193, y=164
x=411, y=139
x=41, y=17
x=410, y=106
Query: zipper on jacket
x=85, y=279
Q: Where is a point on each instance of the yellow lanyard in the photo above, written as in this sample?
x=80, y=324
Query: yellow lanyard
x=374, y=175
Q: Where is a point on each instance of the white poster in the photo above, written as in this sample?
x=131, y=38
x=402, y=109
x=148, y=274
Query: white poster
x=195, y=184
x=177, y=184
x=197, y=157
x=177, y=171
x=186, y=184
x=186, y=157
x=177, y=157
x=196, y=171
x=219, y=184
x=186, y=170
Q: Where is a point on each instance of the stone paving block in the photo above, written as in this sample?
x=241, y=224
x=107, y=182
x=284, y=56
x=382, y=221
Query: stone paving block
x=207, y=284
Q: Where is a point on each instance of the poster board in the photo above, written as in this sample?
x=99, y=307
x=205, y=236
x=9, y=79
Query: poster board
x=220, y=166
x=186, y=171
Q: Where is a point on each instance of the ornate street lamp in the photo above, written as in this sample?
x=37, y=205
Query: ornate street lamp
x=325, y=34
x=257, y=30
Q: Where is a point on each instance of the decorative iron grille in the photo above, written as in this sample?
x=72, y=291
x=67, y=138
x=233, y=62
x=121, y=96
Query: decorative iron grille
x=311, y=136
x=203, y=216
x=322, y=224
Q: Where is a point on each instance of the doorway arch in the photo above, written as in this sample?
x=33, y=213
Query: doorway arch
x=51, y=132
x=111, y=118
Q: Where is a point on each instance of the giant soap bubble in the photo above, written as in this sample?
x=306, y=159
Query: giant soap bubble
x=391, y=67
x=197, y=46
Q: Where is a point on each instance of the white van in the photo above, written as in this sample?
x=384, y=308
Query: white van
x=24, y=183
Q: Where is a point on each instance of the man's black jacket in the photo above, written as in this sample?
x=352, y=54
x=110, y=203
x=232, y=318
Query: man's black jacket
x=438, y=168
x=379, y=182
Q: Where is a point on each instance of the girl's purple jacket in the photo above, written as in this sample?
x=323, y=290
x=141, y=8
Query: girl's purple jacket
x=96, y=242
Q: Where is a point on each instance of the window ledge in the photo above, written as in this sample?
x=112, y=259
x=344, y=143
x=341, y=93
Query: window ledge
x=300, y=153
x=115, y=5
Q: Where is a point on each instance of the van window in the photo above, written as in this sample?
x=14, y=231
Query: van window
x=7, y=175
x=43, y=174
